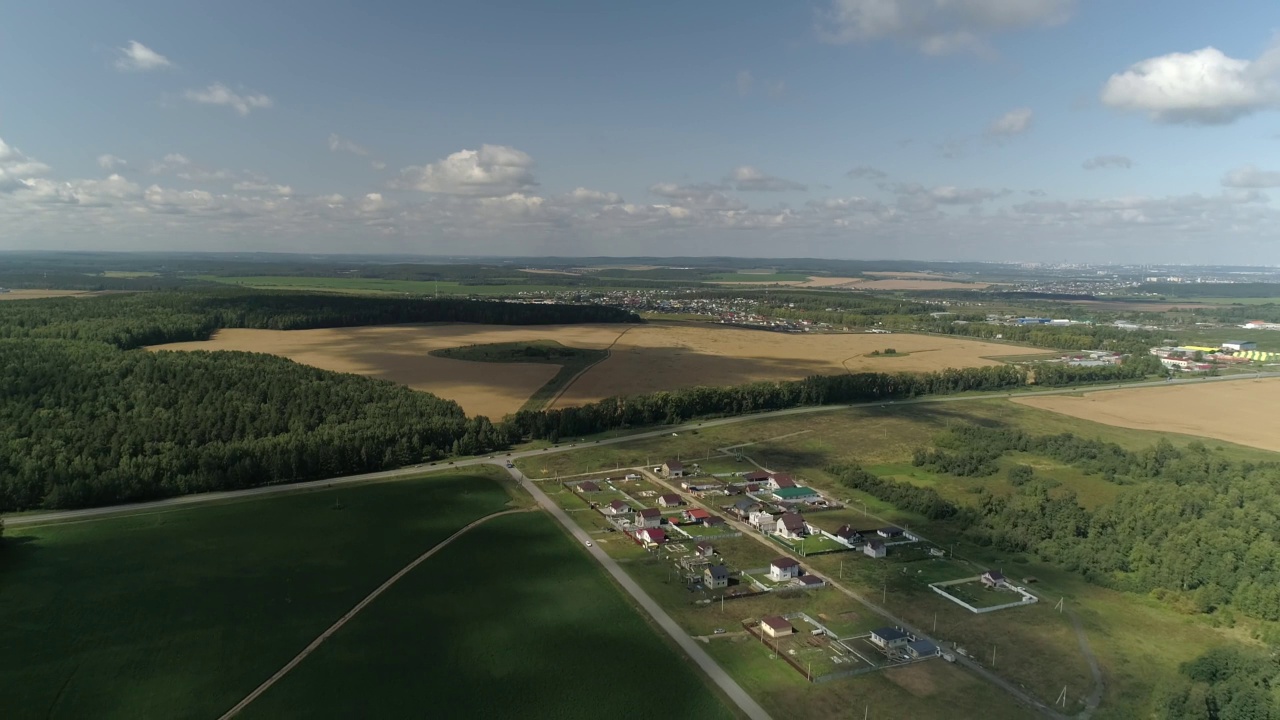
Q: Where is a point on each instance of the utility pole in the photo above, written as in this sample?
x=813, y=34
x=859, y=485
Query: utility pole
x=935, y=622
x=993, y=656
x=1062, y=697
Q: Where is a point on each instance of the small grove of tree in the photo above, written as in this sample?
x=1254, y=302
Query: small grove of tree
x=925, y=501
x=1020, y=475
x=1228, y=683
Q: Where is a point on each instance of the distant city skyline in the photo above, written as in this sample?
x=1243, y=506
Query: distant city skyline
x=1052, y=131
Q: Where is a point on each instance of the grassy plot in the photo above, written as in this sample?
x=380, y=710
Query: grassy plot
x=510, y=620
x=182, y=613
x=572, y=362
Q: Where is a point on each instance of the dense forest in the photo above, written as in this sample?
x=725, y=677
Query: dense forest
x=138, y=319
x=1227, y=683
x=1188, y=525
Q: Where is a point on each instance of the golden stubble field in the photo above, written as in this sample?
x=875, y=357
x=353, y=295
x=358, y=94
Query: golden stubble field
x=644, y=358
x=1240, y=411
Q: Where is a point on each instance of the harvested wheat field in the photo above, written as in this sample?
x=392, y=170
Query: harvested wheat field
x=39, y=294
x=1240, y=411
x=645, y=358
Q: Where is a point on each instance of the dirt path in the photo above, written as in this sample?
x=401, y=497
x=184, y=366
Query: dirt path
x=356, y=610
x=608, y=352
x=1092, y=702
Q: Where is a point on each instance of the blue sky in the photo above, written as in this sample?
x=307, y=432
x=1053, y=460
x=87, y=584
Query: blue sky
x=1031, y=130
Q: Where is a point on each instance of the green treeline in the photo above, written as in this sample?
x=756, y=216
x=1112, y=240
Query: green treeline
x=680, y=405
x=1225, y=684
x=86, y=424
x=138, y=319
x=1188, y=525
x=904, y=496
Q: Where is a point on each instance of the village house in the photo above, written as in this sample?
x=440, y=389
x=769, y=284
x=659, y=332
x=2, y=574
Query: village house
x=617, y=507
x=994, y=579
x=712, y=521
x=744, y=507
x=875, y=549
x=755, y=476
x=848, y=534
x=695, y=515
x=587, y=486
x=715, y=577
x=704, y=549
x=650, y=537
x=791, y=525
x=890, y=637
x=796, y=494
x=776, y=626
x=670, y=500
x=810, y=582
x=779, y=481
x=649, y=518
x=673, y=468
x=889, y=532
x=783, y=568
x=922, y=649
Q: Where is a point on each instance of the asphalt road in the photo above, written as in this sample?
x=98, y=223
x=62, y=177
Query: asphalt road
x=28, y=519
x=691, y=647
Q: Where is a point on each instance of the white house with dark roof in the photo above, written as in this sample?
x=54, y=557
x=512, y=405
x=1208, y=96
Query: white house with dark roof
x=875, y=549
x=776, y=626
x=715, y=577
x=617, y=507
x=670, y=500
x=994, y=579
x=673, y=468
x=890, y=637
x=649, y=517
x=783, y=568
x=791, y=525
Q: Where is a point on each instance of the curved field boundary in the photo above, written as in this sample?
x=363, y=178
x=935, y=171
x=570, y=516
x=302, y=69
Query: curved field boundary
x=608, y=352
x=356, y=610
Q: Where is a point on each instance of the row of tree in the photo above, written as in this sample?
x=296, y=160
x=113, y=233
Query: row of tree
x=1189, y=524
x=139, y=319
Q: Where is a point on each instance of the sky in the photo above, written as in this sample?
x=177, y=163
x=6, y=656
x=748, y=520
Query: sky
x=1005, y=130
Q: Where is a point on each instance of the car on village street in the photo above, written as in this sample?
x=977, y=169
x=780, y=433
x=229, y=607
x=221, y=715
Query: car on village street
x=588, y=543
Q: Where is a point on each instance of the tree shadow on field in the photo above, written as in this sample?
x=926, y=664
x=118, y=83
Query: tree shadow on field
x=17, y=550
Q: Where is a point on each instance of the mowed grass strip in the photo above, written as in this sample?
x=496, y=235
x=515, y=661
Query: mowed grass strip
x=181, y=614
x=510, y=620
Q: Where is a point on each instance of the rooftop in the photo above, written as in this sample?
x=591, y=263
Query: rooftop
x=889, y=634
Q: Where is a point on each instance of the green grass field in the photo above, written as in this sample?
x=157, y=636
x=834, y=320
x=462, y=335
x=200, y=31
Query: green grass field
x=512, y=620
x=182, y=613
x=1139, y=641
x=748, y=277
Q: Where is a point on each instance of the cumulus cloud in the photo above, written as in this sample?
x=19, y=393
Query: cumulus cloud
x=491, y=171
x=337, y=143
x=584, y=196
x=917, y=195
x=1100, y=162
x=262, y=187
x=136, y=57
x=1014, y=122
x=85, y=193
x=111, y=162
x=1204, y=87
x=170, y=163
x=936, y=27
x=702, y=196
x=15, y=167
x=746, y=178
x=219, y=94
x=1249, y=176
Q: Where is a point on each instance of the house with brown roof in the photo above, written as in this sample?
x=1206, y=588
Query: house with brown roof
x=778, y=481
x=617, y=507
x=704, y=549
x=695, y=515
x=783, y=568
x=586, y=486
x=776, y=626
x=670, y=500
x=673, y=468
x=755, y=476
x=650, y=537
x=791, y=525
x=649, y=517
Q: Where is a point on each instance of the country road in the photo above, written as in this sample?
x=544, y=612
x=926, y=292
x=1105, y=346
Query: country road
x=727, y=684
x=41, y=518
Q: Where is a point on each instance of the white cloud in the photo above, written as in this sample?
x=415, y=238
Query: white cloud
x=15, y=167
x=136, y=57
x=170, y=163
x=917, y=196
x=491, y=171
x=378, y=165
x=262, y=187
x=1249, y=176
x=746, y=178
x=86, y=193
x=219, y=94
x=1107, y=161
x=111, y=162
x=936, y=27
x=1014, y=122
x=744, y=82
x=1204, y=87
x=337, y=143
x=703, y=196
x=583, y=196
